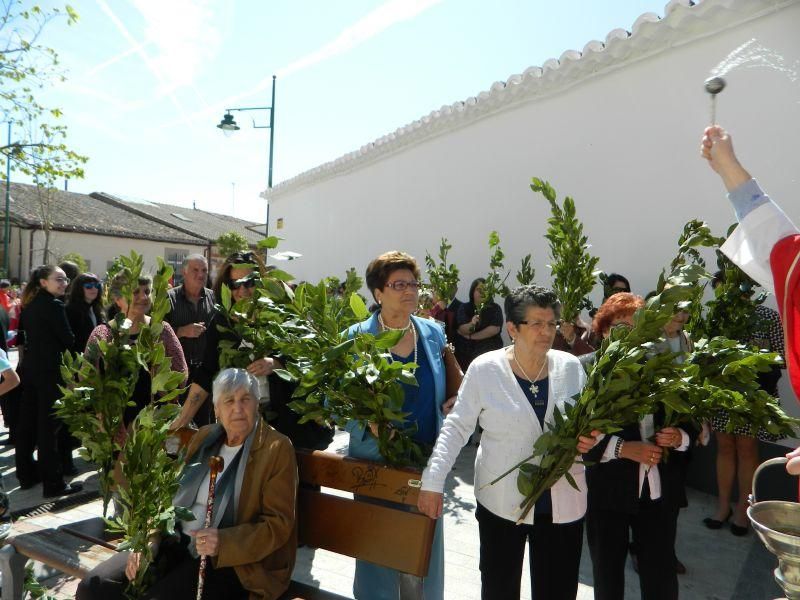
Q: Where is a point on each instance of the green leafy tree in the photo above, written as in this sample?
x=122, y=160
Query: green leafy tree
x=77, y=258
x=572, y=266
x=443, y=277
x=231, y=242
x=26, y=67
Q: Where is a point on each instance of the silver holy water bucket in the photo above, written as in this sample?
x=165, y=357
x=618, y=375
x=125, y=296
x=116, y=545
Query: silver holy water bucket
x=777, y=523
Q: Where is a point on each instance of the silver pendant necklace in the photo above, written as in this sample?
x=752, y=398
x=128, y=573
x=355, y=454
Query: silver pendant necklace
x=534, y=388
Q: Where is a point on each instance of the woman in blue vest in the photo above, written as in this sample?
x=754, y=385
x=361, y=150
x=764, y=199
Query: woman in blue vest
x=393, y=279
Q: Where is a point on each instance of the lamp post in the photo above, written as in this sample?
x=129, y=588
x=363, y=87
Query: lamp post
x=229, y=126
x=6, y=221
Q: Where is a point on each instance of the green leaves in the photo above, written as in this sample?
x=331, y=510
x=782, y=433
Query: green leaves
x=26, y=67
x=230, y=242
x=152, y=479
x=343, y=378
x=358, y=307
x=627, y=380
x=526, y=273
x=573, y=267
x=443, y=277
x=495, y=283
x=99, y=385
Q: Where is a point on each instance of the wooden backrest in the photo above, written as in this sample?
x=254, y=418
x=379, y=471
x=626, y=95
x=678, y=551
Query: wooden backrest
x=380, y=524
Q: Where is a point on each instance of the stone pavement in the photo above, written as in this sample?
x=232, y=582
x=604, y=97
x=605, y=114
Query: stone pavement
x=720, y=566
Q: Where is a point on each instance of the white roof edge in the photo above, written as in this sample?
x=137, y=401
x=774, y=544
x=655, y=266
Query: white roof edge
x=649, y=35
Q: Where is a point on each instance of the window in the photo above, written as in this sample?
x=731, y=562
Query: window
x=174, y=258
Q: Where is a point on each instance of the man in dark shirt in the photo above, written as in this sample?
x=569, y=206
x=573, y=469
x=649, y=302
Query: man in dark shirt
x=191, y=307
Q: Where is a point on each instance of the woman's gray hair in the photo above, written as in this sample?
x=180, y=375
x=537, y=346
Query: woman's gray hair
x=525, y=296
x=230, y=380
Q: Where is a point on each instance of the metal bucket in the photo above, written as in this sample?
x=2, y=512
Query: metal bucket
x=777, y=523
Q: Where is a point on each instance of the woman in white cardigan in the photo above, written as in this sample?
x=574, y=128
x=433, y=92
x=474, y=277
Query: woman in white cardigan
x=511, y=393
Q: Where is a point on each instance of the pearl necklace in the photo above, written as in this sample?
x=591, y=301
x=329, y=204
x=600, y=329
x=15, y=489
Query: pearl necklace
x=534, y=388
x=405, y=329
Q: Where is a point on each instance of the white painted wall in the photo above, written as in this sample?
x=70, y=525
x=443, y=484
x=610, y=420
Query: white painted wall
x=97, y=249
x=624, y=144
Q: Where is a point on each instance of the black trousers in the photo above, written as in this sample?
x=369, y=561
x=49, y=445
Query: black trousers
x=175, y=573
x=555, y=557
x=653, y=529
x=39, y=428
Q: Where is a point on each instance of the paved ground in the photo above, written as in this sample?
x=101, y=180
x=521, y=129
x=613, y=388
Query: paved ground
x=720, y=566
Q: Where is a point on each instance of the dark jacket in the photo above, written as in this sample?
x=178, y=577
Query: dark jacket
x=47, y=336
x=614, y=485
x=81, y=324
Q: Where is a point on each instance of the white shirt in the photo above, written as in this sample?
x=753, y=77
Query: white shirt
x=491, y=396
x=198, y=508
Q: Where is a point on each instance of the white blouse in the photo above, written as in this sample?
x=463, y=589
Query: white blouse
x=491, y=397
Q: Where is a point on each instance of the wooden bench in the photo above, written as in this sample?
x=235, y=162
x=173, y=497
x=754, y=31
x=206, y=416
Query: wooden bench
x=379, y=524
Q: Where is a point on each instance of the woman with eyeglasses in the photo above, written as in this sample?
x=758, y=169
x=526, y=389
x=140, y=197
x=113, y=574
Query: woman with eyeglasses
x=85, y=308
x=393, y=278
x=47, y=335
x=632, y=492
x=241, y=273
x=511, y=393
x=477, y=332
x=137, y=311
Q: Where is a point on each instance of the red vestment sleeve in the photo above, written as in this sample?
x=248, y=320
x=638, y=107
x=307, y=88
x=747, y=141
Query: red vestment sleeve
x=785, y=264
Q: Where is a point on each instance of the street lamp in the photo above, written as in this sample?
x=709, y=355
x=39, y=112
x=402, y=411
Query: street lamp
x=7, y=222
x=228, y=126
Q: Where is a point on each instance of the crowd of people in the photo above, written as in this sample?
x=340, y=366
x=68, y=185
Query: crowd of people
x=626, y=501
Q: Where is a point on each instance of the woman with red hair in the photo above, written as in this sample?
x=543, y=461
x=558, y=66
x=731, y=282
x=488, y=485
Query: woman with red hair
x=630, y=490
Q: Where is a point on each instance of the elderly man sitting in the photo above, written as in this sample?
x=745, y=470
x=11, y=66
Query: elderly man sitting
x=253, y=537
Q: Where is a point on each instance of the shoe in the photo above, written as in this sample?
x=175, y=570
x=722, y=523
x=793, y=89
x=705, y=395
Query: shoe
x=69, y=488
x=680, y=568
x=714, y=523
x=738, y=530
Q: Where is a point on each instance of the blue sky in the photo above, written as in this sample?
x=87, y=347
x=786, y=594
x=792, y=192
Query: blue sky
x=148, y=80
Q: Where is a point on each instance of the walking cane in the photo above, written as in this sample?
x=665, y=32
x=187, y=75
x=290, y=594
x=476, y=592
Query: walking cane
x=215, y=464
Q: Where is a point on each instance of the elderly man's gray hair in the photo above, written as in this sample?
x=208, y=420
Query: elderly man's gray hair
x=192, y=258
x=525, y=296
x=230, y=380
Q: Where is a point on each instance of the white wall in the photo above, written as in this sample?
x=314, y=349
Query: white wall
x=97, y=249
x=624, y=144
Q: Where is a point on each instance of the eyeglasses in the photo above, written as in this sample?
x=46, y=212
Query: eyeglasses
x=93, y=284
x=61, y=280
x=541, y=325
x=246, y=283
x=402, y=285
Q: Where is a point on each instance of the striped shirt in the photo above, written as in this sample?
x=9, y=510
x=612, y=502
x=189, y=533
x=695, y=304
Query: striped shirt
x=183, y=311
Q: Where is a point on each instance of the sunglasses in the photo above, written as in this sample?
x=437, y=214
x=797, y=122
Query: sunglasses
x=92, y=284
x=246, y=283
